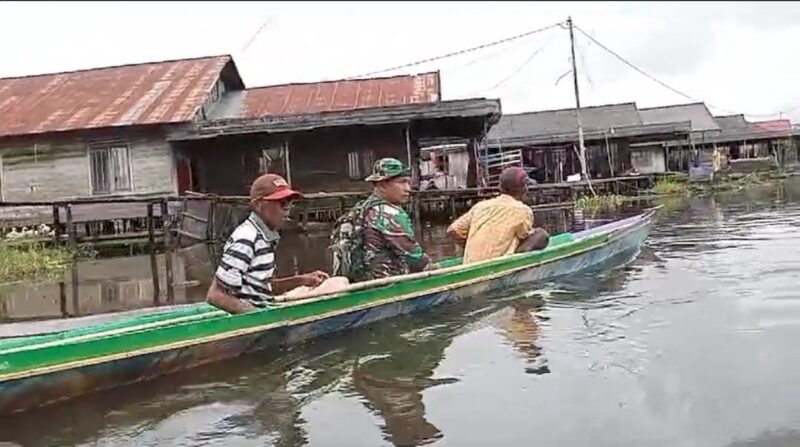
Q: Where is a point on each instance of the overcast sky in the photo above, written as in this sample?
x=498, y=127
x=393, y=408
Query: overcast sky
x=738, y=57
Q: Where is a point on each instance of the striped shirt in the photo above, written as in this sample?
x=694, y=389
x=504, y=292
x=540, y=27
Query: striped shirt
x=248, y=261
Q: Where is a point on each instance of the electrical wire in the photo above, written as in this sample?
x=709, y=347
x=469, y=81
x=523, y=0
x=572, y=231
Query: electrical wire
x=457, y=53
x=521, y=66
x=256, y=34
x=582, y=61
x=663, y=84
x=482, y=58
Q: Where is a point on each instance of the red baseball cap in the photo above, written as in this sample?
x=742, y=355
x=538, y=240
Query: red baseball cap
x=272, y=187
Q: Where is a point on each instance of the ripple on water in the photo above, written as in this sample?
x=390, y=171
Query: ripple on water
x=694, y=343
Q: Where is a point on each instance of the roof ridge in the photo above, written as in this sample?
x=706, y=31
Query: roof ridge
x=380, y=78
x=633, y=103
x=674, y=105
x=137, y=64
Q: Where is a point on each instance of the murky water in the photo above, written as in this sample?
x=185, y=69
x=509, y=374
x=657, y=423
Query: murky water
x=112, y=284
x=692, y=344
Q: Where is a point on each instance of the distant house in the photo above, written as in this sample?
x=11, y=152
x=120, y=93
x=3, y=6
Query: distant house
x=733, y=134
x=325, y=136
x=164, y=128
x=616, y=138
x=682, y=155
x=102, y=132
x=741, y=139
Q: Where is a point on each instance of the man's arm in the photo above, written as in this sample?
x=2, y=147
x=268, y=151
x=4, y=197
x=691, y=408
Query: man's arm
x=459, y=229
x=396, y=227
x=227, y=280
x=219, y=298
x=525, y=225
x=283, y=285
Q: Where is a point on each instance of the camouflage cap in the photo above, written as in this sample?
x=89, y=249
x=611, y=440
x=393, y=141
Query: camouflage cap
x=387, y=168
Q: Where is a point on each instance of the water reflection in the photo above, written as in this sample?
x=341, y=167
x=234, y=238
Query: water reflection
x=692, y=343
x=123, y=283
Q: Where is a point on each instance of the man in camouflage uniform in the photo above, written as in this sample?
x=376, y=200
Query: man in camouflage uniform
x=376, y=239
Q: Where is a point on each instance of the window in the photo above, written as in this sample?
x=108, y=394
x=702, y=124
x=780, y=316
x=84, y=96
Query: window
x=359, y=164
x=352, y=165
x=110, y=169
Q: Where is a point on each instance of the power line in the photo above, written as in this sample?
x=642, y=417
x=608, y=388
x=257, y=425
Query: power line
x=584, y=69
x=624, y=61
x=663, y=84
x=521, y=66
x=255, y=35
x=457, y=53
x=482, y=58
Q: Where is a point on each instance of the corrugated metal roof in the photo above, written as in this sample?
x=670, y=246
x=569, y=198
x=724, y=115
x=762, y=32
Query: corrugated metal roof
x=487, y=109
x=329, y=96
x=731, y=122
x=149, y=93
x=562, y=121
x=774, y=126
x=697, y=113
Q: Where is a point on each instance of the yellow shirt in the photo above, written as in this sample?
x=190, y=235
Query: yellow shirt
x=494, y=227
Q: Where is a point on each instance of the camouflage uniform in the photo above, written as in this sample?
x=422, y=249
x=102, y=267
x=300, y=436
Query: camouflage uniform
x=376, y=239
x=389, y=245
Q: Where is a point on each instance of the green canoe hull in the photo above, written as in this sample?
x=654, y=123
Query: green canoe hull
x=46, y=369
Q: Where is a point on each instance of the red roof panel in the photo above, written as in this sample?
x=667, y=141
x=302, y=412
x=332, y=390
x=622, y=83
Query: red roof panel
x=336, y=96
x=783, y=125
x=151, y=93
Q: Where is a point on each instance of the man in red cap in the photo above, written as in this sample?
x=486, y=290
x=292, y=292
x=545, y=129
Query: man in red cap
x=502, y=225
x=243, y=280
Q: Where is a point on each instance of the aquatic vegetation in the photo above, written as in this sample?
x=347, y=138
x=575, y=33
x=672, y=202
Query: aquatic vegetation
x=670, y=186
x=25, y=255
x=594, y=204
x=673, y=202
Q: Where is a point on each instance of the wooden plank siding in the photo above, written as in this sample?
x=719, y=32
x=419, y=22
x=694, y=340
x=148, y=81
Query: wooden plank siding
x=59, y=168
x=319, y=159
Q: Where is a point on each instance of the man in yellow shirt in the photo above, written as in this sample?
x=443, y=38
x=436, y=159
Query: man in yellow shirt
x=502, y=225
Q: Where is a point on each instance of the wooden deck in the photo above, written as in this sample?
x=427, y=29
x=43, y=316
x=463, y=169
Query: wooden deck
x=96, y=219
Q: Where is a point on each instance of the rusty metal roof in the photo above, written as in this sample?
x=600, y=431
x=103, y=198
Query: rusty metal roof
x=329, y=96
x=149, y=93
x=779, y=125
x=486, y=110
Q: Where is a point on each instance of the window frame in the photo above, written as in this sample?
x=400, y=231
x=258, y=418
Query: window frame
x=110, y=148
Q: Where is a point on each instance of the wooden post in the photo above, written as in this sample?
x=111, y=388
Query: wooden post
x=167, y=251
x=73, y=245
x=62, y=299
x=151, y=236
x=608, y=154
x=408, y=151
x=56, y=224
x=288, y=161
x=212, y=213
x=415, y=182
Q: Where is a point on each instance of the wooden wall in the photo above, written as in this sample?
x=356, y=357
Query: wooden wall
x=54, y=168
x=320, y=159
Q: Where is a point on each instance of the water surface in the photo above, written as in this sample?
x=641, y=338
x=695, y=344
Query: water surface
x=692, y=344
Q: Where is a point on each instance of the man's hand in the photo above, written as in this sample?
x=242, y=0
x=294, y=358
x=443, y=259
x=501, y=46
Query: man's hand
x=313, y=279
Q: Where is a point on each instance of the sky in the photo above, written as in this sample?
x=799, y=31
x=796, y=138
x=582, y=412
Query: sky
x=738, y=57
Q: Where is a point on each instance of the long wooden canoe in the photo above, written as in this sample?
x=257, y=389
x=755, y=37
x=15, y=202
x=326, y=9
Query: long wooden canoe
x=47, y=368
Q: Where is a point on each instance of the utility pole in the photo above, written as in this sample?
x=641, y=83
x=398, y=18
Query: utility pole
x=581, y=146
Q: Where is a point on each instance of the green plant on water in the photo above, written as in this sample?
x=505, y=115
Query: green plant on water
x=670, y=186
x=673, y=202
x=25, y=256
x=594, y=204
x=20, y=262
